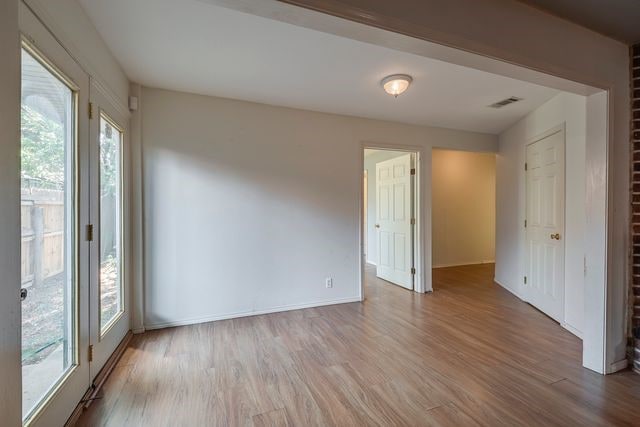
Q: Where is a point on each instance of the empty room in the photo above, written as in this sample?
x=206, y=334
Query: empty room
x=305, y=212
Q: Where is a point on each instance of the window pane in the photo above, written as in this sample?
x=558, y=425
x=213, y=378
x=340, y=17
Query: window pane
x=110, y=222
x=48, y=218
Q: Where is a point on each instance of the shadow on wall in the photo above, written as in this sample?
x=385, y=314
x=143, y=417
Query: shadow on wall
x=242, y=219
x=250, y=208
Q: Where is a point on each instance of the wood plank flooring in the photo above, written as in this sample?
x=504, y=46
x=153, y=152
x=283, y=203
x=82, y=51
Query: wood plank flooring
x=469, y=354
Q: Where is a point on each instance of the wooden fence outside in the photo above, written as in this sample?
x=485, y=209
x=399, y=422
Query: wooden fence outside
x=42, y=251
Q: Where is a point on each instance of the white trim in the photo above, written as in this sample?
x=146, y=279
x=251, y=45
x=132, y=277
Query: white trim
x=138, y=330
x=571, y=329
x=551, y=131
x=136, y=214
x=371, y=263
x=617, y=366
x=111, y=98
x=419, y=284
x=58, y=31
x=279, y=309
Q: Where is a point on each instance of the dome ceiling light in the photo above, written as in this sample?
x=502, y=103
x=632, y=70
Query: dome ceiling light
x=396, y=84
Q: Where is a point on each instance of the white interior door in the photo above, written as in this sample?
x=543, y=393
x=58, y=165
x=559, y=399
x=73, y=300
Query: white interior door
x=393, y=221
x=544, y=282
x=110, y=307
x=54, y=206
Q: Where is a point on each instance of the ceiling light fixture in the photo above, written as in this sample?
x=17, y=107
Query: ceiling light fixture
x=396, y=84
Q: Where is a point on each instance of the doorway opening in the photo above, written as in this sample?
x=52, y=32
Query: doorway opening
x=390, y=236
x=463, y=218
x=463, y=212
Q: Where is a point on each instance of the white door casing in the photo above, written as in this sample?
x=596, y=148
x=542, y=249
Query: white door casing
x=393, y=221
x=365, y=213
x=545, y=218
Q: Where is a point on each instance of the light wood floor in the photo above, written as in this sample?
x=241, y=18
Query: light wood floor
x=468, y=354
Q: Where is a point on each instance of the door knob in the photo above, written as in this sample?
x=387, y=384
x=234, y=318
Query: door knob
x=23, y=294
x=377, y=225
x=556, y=236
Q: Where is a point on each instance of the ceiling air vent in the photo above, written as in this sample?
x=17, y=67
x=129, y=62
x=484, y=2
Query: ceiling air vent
x=505, y=102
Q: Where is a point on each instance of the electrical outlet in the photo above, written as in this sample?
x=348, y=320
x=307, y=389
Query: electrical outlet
x=328, y=282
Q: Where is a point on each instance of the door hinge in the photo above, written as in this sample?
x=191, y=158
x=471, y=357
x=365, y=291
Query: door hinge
x=413, y=221
x=90, y=232
x=90, y=353
x=413, y=171
x=525, y=223
x=525, y=280
x=91, y=110
x=526, y=166
x=413, y=270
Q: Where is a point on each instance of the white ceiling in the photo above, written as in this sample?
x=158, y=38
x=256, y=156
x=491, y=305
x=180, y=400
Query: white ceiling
x=619, y=19
x=193, y=46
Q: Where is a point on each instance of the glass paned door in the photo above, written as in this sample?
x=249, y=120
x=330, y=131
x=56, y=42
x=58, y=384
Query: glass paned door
x=55, y=260
x=48, y=227
x=110, y=240
x=109, y=309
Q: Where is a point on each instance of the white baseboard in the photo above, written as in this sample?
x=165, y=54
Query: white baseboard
x=204, y=319
x=371, y=263
x=460, y=264
x=516, y=293
x=617, y=366
x=571, y=329
x=138, y=330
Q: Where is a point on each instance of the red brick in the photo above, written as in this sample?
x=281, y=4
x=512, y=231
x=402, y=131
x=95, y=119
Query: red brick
x=635, y=202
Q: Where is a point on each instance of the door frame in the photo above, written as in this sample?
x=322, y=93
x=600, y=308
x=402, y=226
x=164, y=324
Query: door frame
x=549, y=132
x=365, y=213
x=105, y=344
x=62, y=398
x=418, y=198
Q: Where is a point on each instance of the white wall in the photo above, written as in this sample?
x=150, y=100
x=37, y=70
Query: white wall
x=10, y=365
x=538, y=48
x=370, y=162
x=510, y=244
x=249, y=207
x=463, y=207
x=75, y=31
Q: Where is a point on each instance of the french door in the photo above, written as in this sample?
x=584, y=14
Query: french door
x=109, y=305
x=54, y=209
x=74, y=293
